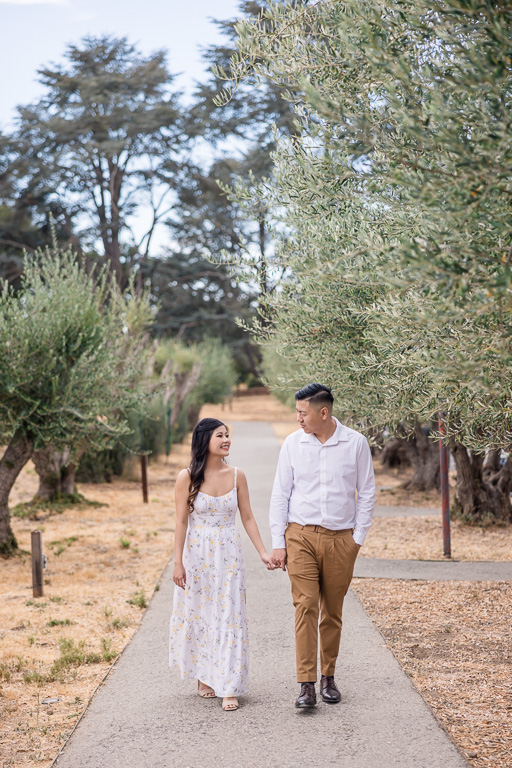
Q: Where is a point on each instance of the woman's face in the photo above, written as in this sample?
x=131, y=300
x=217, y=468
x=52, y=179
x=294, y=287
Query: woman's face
x=219, y=442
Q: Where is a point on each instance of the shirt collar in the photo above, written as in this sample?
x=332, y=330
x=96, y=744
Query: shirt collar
x=340, y=435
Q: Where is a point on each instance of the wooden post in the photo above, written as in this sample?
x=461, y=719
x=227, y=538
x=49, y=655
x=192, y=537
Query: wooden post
x=445, y=491
x=144, y=475
x=36, y=539
x=168, y=428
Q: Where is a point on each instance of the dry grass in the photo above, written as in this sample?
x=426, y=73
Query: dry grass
x=453, y=640
x=98, y=560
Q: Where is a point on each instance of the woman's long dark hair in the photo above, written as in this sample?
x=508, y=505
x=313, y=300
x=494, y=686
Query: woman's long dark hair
x=200, y=442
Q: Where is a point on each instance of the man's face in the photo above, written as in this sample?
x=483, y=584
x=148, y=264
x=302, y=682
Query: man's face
x=311, y=418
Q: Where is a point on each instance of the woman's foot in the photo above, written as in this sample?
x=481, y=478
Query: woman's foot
x=205, y=691
x=229, y=703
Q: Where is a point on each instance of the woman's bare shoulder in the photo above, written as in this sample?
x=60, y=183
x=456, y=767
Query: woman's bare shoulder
x=240, y=476
x=182, y=478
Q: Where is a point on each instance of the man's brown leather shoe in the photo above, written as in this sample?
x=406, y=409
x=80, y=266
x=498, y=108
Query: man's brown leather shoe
x=329, y=690
x=307, y=696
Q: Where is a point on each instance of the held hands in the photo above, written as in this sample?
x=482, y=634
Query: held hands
x=279, y=558
x=267, y=560
x=179, y=575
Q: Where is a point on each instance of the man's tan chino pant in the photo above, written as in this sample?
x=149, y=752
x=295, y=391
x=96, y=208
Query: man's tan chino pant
x=320, y=565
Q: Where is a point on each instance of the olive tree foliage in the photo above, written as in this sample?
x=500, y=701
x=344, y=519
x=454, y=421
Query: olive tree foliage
x=397, y=198
x=73, y=359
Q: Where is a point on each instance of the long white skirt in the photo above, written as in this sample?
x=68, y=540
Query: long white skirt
x=208, y=635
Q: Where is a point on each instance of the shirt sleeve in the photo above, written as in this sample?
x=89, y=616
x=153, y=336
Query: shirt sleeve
x=281, y=492
x=365, y=493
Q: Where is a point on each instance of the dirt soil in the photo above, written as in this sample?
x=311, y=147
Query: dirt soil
x=453, y=640
x=103, y=565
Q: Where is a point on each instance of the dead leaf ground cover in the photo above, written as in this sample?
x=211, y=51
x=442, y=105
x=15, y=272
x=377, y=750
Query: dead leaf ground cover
x=454, y=640
x=421, y=538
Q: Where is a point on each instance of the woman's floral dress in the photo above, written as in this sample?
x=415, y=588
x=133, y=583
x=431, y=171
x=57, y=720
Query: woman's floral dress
x=208, y=638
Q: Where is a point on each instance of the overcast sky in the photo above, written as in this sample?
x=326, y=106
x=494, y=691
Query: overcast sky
x=36, y=32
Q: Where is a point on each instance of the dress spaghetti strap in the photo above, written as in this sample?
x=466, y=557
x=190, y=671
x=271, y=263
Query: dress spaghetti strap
x=235, y=478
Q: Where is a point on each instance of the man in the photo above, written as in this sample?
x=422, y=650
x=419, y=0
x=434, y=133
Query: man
x=317, y=529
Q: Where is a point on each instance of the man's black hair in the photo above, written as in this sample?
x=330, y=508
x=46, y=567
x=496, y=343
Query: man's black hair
x=317, y=394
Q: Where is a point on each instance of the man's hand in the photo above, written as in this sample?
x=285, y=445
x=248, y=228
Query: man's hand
x=279, y=558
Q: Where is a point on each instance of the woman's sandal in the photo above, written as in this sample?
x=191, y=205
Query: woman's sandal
x=206, y=692
x=229, y=703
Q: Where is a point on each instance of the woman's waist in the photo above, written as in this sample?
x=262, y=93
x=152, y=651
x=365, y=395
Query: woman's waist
x=201, y=522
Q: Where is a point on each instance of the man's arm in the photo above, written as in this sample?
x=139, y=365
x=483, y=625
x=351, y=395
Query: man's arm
x=365, y=493
x=278, y=513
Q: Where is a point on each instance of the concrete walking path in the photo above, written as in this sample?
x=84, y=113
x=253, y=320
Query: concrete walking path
x=146, y=717
x=385, y=511
x=432, y=570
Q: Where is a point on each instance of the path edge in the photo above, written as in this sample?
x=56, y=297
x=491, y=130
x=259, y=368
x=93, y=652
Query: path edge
x=110, y=669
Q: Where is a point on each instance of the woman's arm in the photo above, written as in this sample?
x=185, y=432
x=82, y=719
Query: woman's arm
x=181, y=495
x=248, y=521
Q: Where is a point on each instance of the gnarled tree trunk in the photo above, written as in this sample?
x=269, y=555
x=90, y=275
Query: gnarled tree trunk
x=483, y=487
x=17, y=454
x=395, y=453
x=56, y=473
x=420, y=452
x=426, y=475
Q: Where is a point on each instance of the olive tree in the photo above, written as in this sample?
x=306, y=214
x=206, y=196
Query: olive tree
x=396, y=195
x=72, y=362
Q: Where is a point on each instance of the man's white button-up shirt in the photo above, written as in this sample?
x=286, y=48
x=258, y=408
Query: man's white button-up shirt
x=316, y=484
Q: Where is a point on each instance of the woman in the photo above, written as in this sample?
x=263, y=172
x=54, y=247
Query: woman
x=208, y=638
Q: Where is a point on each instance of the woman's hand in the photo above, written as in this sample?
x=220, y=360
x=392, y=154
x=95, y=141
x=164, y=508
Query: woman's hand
x=267, y=560
x=179, y=575
x=279, y=558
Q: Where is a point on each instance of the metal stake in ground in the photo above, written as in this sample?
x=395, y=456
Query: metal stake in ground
x=36, y=539
x=445, y=491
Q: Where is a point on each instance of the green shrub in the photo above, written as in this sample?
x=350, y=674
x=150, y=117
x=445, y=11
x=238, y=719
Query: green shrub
x=217, y=379
x=148, y=432
x=101, y=466
x=106, y=650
